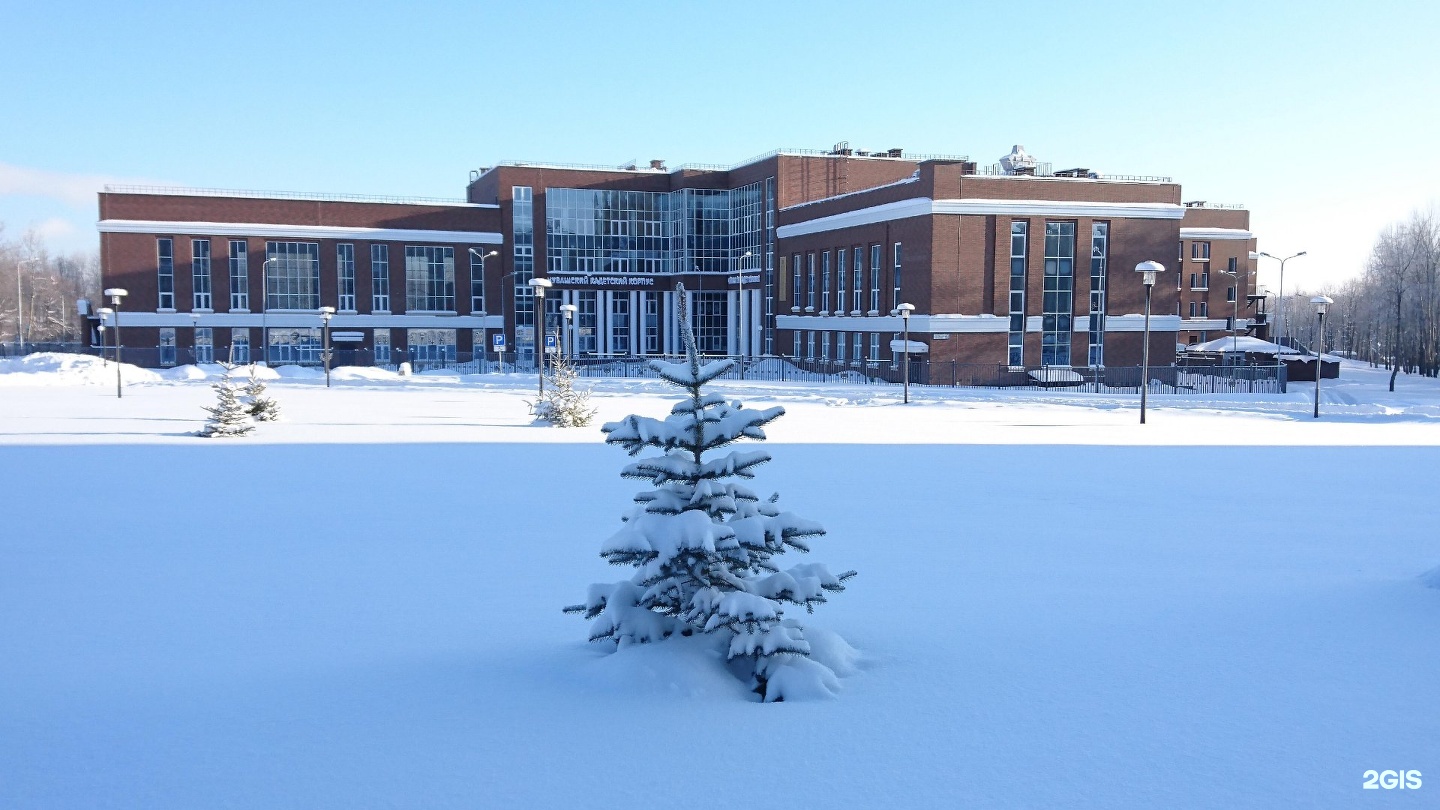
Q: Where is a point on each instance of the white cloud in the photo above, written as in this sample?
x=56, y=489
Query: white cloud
x=75, y=190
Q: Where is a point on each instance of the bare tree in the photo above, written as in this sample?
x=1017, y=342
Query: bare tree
x=38, y=290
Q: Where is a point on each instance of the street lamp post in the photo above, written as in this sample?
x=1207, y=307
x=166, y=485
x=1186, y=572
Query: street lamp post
x=326, y=313
x=264, y=312
x=104, y=311
x=540, y=285
x=740, y=302
x=905, y=310
x=1280, y=296
x=1322, y=303
x=117, y=293
x=482, y=313
x=195, y=337
x=566, y=337
x=20, y=305
x=1149, y=269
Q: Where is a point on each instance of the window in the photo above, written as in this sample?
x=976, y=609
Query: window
x=1204, y=309
x=874, y=279
x=1232, y=265
x=522, y=220
x=1193, y=309
x=708, y=319
x=841, y=272
x=200, y=274
x=165, y=269
x=1059, y=298
x=429, y=278
x=795, y=353
x=345, y=271
x=874, y=345
x=167, y=346
x=809, y=345
x=1229, y=294
x=204, y=344
x=382, y=346
x=477, y=283
x=297, y=346
x=587, y=304
x=620, y=323
x=825, y=346
x=896, y=277
x=840, y=347
x=1099, y=259
x=292, y=275
x=1180, y=269
x=825, y=282
x=810, y=286
x=239, y=346
x=1200, y=251
x=1018, y=233
x=860, y=255
x=855, y=341
x=1205, y=280
x=795, y=286
x=380, y=278
x=239, y=276
x=650, y=305
x=430, y=346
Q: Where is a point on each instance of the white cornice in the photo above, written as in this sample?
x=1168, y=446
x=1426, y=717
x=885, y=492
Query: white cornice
x=924, y=206
x=919, y=324
x=1216, y=233
x=163, y=227
x=291, y=320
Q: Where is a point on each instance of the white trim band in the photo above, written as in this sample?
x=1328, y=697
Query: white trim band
x=164, y=227
x=924, y=206
x=1216, y=234
x=919, y=324
x=292, y=320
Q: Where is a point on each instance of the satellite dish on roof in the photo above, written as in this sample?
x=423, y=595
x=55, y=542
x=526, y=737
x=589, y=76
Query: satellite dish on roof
x=1017, y=161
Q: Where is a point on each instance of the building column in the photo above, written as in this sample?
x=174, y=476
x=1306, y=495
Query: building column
x=733, y=341
x=667, y=321
x=636, y=332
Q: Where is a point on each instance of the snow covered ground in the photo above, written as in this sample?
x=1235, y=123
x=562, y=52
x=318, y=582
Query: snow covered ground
x=360, y=606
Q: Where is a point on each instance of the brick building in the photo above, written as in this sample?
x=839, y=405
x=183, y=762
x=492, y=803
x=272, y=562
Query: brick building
x=794, y=253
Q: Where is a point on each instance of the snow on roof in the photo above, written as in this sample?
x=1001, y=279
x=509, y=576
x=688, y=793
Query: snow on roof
x=1244, y=344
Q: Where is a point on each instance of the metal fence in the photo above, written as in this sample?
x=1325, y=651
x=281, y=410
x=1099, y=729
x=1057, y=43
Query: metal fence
x=1188, y=379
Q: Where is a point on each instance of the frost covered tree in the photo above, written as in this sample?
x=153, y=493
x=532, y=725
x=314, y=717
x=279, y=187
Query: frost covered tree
x=704, y=545
x=564, y=405
x=229, y=416
x=259, y=406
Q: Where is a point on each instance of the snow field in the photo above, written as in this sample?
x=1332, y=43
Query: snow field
x=359, y=606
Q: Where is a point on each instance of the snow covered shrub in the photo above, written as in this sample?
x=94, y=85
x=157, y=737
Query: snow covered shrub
x=263, y=408
x=229, y=417
x=704, y=545
x=564, y=405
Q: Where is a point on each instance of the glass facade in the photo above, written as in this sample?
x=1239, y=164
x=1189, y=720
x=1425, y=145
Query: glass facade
x=650, y=302
x=875, y=279
x=1018, y=233
x=523, y=226
x=239, y=275
x=841, y=272
x=200, y=274
x=431, y=345
x=299, y=346
x=620, y=324
x=477, y=283
x=1058, y=303
x=895, y=277
x=165, y=272
x=345, y=272
x=292, y=275
x=1099, y=261
x=708, y=317
x=429, y=278
x=380, y=278
x=587, y=321
x=601, y=231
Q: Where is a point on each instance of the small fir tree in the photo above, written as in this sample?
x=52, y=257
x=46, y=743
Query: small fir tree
x=259, y=406
x=564, y=405
x=229, y=417
x=704, y=545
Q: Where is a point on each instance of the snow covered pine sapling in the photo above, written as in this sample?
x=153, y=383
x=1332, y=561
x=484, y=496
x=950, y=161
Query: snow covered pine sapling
x=703, y=545
x=564, y=405
x=229, y=417
x=263, y=408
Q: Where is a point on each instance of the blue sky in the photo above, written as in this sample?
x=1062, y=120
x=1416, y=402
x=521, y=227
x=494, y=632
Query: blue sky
x=1320, y=117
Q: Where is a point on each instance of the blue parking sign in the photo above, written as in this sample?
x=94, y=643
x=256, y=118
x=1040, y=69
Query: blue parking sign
x=551, y=344
x=498, y=341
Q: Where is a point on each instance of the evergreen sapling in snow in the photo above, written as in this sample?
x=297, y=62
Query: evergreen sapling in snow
x=564, y=405
x=261, y=407
x=229, y=417
x=704, y=545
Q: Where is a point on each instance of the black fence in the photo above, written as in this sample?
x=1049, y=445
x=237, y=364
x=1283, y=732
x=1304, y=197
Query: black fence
x=1187, y=379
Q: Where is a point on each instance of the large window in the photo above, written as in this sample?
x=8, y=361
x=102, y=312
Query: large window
x=165, y=271
x=895, y=277
x=239, y=346
x=795, y=286
x=825, y=346
x=841, y=277
x=200, y=274
x=795, y=352
x=345, y=277
x=809, y=345
x=429, y=278
x=204, y=344
x=840, y=347
x=522, y=219
x=477, y=283
x=708, y=319
x=874, y=279
x=810, y=286
x=1200, y=251
x=431, y=346
x=1055, y=333
x=825, y=283
x=1018, y=233
x=650, y=302
x=855, y=342
x=292, y=275
x=294, y=346
x=1099, y=261
x=239, y=276
x=620, y=323
x=380, y=278
x=874, y=345
x=168, y=351
x=859, y=278
x=382, y=346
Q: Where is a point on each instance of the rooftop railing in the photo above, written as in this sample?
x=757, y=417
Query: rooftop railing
x=184, y=191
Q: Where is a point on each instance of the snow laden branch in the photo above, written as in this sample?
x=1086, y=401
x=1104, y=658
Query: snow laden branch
x=703, y=545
